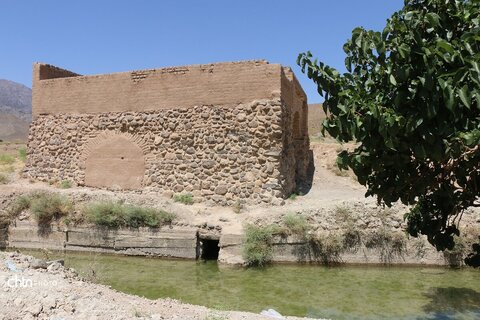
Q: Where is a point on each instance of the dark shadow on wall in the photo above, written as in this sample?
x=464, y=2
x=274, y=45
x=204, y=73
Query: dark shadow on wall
x=304, y=182
x=44, y=230
x=314, y=251
x=447, y=303
x=209, y=249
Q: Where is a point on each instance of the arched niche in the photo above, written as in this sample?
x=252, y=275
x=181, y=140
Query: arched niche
x=114, y=161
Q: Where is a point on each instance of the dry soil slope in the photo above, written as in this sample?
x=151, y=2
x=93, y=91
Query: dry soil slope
x=315, y=118
x=15, y=110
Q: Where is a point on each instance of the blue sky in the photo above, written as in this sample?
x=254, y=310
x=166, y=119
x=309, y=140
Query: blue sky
x=103, y=36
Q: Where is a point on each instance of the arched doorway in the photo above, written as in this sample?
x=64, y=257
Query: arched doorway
x=115, y=162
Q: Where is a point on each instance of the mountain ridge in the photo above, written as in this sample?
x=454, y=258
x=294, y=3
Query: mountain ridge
x=15, y=110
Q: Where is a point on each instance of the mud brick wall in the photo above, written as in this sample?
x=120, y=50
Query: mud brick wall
x=237, y=132
x=176, y=87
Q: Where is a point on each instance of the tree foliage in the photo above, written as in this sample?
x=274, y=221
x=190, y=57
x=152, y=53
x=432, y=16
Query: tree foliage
x=411, y=99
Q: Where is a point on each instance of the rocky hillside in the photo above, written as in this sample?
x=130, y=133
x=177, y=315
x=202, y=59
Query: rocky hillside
x=15, y=110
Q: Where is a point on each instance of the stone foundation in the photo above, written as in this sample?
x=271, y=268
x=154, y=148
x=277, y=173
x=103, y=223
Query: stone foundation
x=216, y=153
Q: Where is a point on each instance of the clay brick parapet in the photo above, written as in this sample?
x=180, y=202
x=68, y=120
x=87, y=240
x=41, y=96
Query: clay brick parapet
x=43, y=71
x=58, y=91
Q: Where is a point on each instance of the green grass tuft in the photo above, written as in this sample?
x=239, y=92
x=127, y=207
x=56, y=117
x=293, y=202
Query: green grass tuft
x=136, y=217
x=352, y=238
x=65, y=184
x=106, y=214
x=327, y=248
x=6, y=159
x=185, y=198
x=257, y=250
x=47, y=207
x=296, y=224
x=114, y=215
x=20, y=204
x=390, y=243
x=294, y=195
x=22, y=153
x=14, y=209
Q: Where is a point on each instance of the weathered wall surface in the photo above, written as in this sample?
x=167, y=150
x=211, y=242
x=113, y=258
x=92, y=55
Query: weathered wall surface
x=178, y=87
x=222, y=132
x=177, y=243
x=296, y=143
x=184, y=243
x=109, y=157
x=217, y=153
x=294, y=250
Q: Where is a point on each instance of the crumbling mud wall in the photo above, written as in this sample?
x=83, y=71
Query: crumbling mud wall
x=223, y=132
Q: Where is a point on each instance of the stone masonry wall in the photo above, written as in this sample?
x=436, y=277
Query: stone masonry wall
x=296, y=144
x=216, y=153
x=221, y=132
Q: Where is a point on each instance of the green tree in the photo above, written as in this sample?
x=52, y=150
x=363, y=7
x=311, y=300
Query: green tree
x=410, y=99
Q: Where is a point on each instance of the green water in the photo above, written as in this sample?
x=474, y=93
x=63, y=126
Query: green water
x=300, y=290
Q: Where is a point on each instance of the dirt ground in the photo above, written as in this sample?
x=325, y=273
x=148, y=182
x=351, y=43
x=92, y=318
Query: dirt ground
x=330, y=185
x=10, y=148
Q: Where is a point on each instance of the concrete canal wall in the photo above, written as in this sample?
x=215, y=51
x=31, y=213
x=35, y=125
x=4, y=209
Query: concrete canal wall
x=192, y=243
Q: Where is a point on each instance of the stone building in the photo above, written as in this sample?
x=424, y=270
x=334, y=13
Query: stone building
x=222, y=132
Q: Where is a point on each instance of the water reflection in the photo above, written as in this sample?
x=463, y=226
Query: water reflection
x=452, y=303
